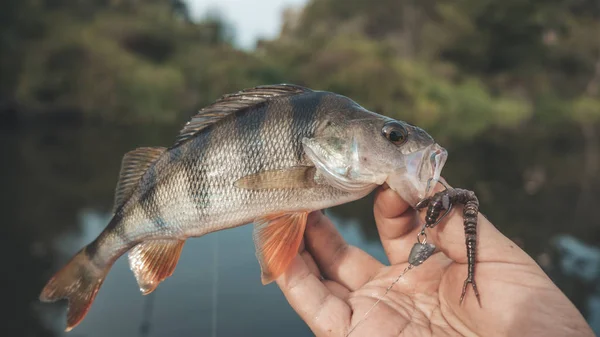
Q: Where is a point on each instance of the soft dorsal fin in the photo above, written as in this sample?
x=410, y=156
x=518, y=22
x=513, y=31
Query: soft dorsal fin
x=133, y=166
x=231, y=103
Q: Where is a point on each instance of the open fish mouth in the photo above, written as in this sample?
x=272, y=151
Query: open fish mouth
x=431, y=168
x=421, y=173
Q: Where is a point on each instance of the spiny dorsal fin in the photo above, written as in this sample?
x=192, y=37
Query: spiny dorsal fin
x=133, y=166
x=231, y=103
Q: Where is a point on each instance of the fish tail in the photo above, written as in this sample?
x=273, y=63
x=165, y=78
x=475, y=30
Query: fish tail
x=78, y=282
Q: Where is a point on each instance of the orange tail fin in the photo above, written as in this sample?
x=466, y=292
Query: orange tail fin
x=78, y=282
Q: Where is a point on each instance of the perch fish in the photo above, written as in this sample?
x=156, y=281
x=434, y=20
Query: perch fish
x=267, y=155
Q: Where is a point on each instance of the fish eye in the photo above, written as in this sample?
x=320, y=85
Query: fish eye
x=395, y=132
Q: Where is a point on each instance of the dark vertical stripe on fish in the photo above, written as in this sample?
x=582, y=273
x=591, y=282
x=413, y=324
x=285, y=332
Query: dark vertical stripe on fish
x=175, y=154
x=179, y=166
x=149, y=201
x=197, y=187
x=91, y=250
x=248, y=125
x=304, y=115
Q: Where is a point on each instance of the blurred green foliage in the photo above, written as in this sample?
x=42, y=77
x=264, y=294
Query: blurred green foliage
x=462, y=69
x=123, y=61
x=456, y=67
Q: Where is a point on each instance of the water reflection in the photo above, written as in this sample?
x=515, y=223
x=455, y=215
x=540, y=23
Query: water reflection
x=575, y=267
x=57, y=192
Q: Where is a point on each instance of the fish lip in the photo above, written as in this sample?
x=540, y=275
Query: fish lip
x=420, y=174
x=437, y=159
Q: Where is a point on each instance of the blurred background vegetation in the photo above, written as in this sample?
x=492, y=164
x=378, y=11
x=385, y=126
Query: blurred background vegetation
x=456, y=66
x=480, y=75
x=510, y=87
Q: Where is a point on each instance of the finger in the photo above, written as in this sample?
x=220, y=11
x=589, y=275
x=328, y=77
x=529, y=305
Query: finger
x=397, y=224
x=311, y=264
x=337, y=289
x=312, y=300
x=338, y=261
x=492, y=245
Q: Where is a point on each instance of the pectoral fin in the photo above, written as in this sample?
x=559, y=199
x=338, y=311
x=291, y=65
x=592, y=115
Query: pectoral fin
x=153, y=261
x=277, y=238
x=294, y=177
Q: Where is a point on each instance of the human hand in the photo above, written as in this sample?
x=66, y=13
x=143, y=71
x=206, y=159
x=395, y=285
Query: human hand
x=331, y=284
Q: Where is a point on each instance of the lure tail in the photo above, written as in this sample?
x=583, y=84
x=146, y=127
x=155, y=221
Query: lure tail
x=78, y=282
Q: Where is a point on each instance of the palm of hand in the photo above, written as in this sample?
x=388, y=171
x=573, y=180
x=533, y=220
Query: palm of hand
x=332, y=285
x=411, y=307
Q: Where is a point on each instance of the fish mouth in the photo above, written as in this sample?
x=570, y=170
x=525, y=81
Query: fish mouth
x=430, y=169
x=421, y=173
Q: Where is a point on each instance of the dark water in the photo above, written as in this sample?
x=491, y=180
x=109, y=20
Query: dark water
x=57, y=188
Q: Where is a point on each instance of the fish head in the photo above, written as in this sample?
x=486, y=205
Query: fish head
x=415, y=177
x=357, y=154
